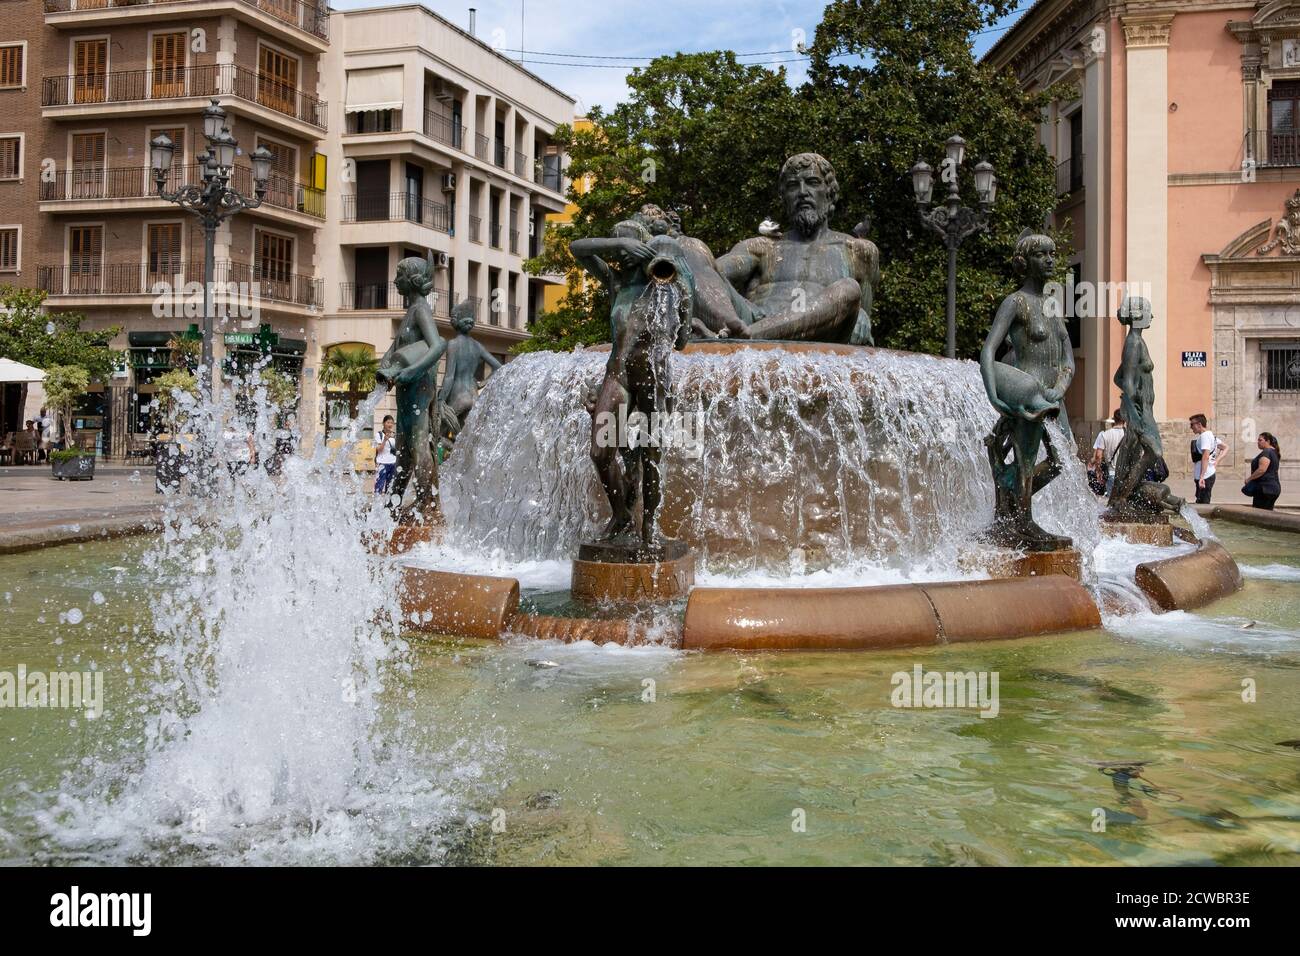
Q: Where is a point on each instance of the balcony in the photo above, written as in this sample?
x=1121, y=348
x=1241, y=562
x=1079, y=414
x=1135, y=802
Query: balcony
x=481, y=144
x=136, y=279
x=396, y=207
x=521, y=165
x=1275, y=147
x=1069, y=175
x=549, y=177
x=443, y=130
x=209, y=80
x=499, y=153
x=514, y=242
x=384, y=297
x=311, y=18
x=99, y=184
x=494, y=235
x=475, y=229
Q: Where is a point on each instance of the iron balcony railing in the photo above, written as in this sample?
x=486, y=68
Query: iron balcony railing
x=307, y=16
x=1069, y=175
x=481, y=144
x=313, y=18
x=549, y=177
x=213, y=79
x=514, y=316
x=396, y=207
x=137, y=182
x=383, y=296
x=499, y=153
x=475, y=229
x=134, y=278
x=521, y=164
x=514, y=242
x=1274, y=147
x=494, y=235
x=444, y=130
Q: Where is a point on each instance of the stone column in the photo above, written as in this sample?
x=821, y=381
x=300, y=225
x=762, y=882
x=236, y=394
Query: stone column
x=1146, y=163
x=1096, y=331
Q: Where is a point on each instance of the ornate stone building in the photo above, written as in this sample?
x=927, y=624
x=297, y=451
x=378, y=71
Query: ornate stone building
x=1176, y=127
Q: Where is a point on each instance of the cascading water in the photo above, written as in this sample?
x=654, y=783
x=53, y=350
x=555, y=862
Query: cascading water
x=832, y=457
x=267, y=738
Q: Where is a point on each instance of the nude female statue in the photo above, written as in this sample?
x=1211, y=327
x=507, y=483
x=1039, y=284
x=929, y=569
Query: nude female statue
x=1026, y=390
x=411, y=364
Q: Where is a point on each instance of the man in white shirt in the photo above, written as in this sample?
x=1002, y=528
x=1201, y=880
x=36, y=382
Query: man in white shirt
x=1105, y=447
x=1205, y=450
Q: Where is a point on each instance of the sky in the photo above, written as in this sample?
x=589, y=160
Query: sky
x=563, y=39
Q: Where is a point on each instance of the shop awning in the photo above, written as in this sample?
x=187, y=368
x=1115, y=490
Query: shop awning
x=11, y=371
x=375, y=89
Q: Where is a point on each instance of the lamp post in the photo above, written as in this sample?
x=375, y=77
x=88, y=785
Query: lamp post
x=213, y=201
x=953, y=222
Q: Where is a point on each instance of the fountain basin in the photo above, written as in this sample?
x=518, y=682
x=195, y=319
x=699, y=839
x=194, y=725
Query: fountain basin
x=1190, y=581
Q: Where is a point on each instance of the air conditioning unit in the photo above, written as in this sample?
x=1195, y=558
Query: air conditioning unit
x=449, y=182
x=441, y=260
x=442, y=94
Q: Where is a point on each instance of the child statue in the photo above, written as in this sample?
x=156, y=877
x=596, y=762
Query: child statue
x=650, y=316
x=411, y=364
x=465, y=361
x=1026, y=389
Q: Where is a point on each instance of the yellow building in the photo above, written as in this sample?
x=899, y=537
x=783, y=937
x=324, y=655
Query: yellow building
x=554, y=293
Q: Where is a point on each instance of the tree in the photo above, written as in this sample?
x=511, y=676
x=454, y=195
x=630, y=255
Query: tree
x=43, y=341
x=281, y=390
x=351, y=367
x=889, y=81
x=171, y=385
x=64, y=384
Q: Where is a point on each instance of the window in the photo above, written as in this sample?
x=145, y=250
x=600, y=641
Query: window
x=9, y=248
x=374, y=121
x=89, y=71
x=168, y=64
x=274, y=257
x=277, y=80
x=1076, y=150
x=88, y=165
x=163, y=250
x=1281, y=367
x=11, y=157
x=85, y=258
x=11, y=66
x=284, y=160
x=1284, y=123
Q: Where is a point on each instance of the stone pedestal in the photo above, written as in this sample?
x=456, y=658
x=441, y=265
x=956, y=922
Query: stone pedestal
x=632, y=574
x=1004, y=563
x=407, y=536
x=1140, y=532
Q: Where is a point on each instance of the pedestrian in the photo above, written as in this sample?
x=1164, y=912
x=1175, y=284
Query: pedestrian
x=386, y=456
x=1206, y=450
x=46, y=424
x=1263, y=486
x=1103, y=453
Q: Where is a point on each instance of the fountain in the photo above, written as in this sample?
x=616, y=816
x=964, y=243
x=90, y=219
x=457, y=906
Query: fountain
x=692, y=447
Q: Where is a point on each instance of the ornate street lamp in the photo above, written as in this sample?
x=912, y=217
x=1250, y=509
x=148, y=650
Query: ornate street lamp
x=953, y=222
x=213, y=200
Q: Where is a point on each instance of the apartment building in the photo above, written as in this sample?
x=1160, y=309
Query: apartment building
x=84, y=86
x=1176, y=126
x=438, y=145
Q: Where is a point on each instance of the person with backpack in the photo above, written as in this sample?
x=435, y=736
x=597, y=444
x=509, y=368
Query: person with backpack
x=1205, y=450
x=1103, y=454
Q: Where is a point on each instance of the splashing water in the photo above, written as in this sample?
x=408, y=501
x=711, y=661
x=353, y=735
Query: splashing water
x=873, y=456
x=277, y=634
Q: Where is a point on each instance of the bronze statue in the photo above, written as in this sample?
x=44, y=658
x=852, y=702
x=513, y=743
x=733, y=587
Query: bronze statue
x=411, y=364
x=465, y=361
x=650, y=288
x=1133, y=496
x=1026, y=389
x=811, y=283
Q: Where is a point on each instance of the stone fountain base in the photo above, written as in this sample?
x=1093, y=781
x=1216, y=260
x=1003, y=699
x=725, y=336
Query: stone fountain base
x=602, y=573
x=1140, y=532
x=1006, y=563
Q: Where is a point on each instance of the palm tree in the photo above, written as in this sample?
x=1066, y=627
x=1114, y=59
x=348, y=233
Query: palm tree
x=186, y=352
x=354, y=368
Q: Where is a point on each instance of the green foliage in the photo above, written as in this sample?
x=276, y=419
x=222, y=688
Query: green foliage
x=888, y=82
x=169, y=383
x=353, y=367
x=43, y=341
x=186, y=351
x=64, y=384
x=68, y=454
x=281, y=390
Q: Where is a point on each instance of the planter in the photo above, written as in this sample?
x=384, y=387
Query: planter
x=80, y=468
